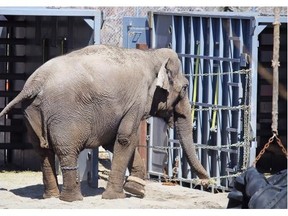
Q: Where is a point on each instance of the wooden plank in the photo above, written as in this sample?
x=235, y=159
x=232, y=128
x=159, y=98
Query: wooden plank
x=13, y=128
x=9, y=93
x=13, y=58
x=14, y=41
x=12, y=146
x=13, y=76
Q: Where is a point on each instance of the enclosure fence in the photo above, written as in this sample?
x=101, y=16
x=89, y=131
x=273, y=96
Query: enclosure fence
x=175, y=167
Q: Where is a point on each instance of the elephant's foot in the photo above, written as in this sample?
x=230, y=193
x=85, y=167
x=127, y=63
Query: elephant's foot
x=51, y=194
x=71, y=196
x=108, y=194
x=71, y=190
x=135, y=188
x=135, y=185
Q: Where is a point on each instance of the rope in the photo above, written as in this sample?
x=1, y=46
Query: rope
x=219, y=108
x=242, y=71
x=275, y=65
x=199, y=146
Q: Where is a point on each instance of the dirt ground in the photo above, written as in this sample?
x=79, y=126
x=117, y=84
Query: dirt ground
x=23, y=190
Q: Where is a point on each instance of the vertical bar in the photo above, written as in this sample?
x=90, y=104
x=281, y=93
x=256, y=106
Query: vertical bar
x=143, y=143
x=254, y=24
x=224, y=96
x=200, y=88
x=150, y=145
x=70, y=35
x=94, y=177
x=97, y=27
x=171, y=155
x=215, y=28
x=143, y=127
x=151, y=23
x=220, y=99
x=38, y=28
x=191, y=51
x=235, y=26
x=205, y=93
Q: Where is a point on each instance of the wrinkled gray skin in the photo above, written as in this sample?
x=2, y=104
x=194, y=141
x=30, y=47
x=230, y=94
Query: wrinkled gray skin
x=97, y=96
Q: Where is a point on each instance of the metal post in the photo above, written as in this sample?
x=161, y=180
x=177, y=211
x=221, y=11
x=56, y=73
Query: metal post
x=275, y=65
x=143, y=128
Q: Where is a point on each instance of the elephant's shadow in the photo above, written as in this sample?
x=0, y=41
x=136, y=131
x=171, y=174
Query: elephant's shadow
x=36, y=191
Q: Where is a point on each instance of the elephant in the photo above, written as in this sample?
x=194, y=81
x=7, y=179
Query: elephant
x=97, y=96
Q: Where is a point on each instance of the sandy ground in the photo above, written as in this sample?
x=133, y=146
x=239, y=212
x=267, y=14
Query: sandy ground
x=23, y=190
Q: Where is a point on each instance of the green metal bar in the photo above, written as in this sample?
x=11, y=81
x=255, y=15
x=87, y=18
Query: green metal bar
x=195, y=81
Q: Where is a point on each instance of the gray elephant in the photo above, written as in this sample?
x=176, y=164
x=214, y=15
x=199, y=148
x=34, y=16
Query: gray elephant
x=97, y=96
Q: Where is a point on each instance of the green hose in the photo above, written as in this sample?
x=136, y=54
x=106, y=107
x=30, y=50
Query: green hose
x=195, y=81
x=213, y=126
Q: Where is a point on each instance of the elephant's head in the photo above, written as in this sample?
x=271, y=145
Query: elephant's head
x=171, y=102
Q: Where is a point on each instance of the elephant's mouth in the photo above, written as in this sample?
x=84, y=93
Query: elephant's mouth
x=167, y=116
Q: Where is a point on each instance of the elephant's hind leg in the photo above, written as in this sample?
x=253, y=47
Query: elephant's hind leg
x=67, y=145
x=71, y=190
x=49, y=174
x=47, y=158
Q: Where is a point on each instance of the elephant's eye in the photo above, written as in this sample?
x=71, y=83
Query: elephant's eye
x=183, y=91
x=184, y=88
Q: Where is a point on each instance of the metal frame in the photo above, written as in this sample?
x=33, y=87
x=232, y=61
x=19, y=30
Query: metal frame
x=94, y=18
x=228, y=43
x=88, y=159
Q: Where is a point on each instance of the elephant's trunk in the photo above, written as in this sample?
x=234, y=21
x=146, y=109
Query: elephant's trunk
x=183, y=125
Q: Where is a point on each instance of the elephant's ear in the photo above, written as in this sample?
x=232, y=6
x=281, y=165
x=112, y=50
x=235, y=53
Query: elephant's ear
x=163, y=76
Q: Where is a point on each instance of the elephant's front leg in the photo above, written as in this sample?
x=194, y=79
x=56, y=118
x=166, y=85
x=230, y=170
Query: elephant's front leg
x=122, y=152
x=71, y=190
x=135, y=183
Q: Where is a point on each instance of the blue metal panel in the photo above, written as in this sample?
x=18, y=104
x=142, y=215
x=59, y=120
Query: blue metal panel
x=219, y=42
x=219, y=45
x=135, y=31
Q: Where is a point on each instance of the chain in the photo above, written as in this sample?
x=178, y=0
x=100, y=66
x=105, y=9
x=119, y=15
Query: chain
x=215, y=107
x=202, y=146
x=267, y=146
x=243, y=71
x=279, y=142
x=211, y=181
x=70, y=168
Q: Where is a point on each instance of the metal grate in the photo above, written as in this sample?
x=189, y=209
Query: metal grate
x=215, y=51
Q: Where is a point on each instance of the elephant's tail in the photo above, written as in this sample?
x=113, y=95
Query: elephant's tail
x=30, y=90
x=20, y=97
